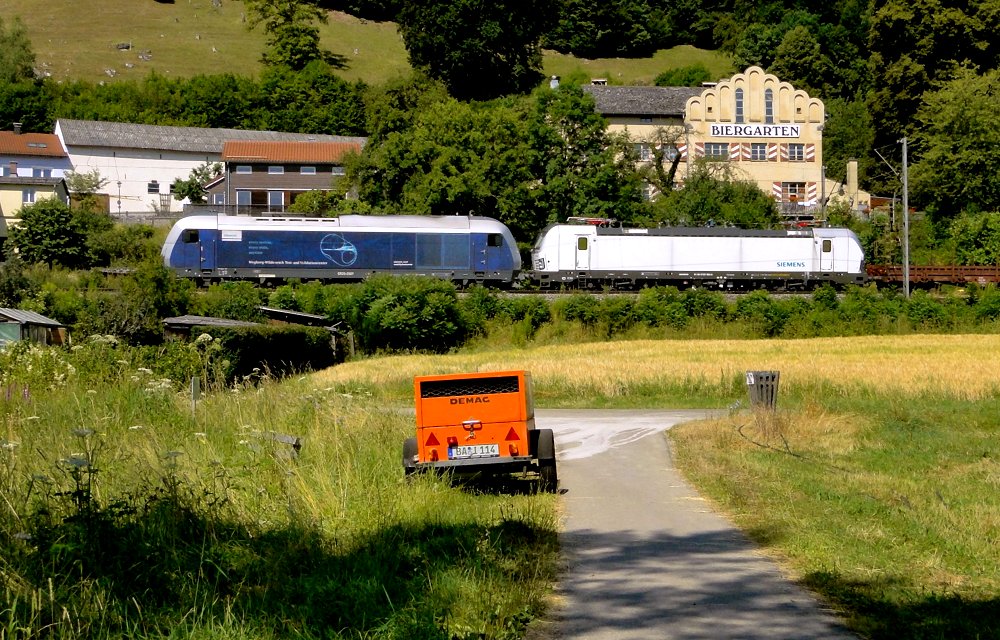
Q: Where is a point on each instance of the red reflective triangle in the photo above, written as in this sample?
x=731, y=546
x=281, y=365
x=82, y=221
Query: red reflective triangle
x=432, y=441
x=512, y=435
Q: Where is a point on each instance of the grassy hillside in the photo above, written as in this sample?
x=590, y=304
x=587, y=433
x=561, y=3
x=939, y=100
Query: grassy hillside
x=78, y=40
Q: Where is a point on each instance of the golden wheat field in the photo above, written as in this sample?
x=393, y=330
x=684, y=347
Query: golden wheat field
x=964, y=366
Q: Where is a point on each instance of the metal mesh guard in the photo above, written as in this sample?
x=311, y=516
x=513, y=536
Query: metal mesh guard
x=468, y=387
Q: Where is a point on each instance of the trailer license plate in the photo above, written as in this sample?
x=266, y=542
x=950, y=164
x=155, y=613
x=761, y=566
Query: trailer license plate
x=474, y=451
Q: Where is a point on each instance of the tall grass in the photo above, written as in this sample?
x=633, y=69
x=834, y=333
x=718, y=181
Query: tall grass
x=127, y=510
x=885, y=506
x=699, y=373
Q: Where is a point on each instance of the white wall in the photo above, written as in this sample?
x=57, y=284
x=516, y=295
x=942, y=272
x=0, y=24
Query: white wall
x=129, y=172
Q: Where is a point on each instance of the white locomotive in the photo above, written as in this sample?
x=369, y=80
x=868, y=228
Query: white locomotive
x=599, y=254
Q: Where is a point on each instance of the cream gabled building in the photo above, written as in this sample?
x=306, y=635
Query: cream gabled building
x=767, y=131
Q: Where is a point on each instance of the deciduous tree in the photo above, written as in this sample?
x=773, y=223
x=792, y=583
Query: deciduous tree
x=194, y=187
x=959, y=145
x=48, y=233
x=713, y=195
x=17, y=58
x=480, y=50
x=291, y=31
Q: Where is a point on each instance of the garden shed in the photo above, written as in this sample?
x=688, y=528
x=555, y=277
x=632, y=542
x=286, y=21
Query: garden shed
x=17, y=325
x=181, y=326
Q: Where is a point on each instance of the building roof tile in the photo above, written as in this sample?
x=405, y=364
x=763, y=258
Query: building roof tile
x=312, y=152
x=30, y=144
x=27, y=181
x=641, y=101
x=92, y=133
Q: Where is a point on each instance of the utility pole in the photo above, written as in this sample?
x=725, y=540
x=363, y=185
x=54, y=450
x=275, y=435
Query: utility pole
x=906, y=228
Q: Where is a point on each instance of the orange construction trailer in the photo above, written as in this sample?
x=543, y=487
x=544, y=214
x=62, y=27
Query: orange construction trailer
x=479, y=423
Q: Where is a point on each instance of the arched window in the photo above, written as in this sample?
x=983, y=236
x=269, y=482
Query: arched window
x=768, y=106
x=739, y=105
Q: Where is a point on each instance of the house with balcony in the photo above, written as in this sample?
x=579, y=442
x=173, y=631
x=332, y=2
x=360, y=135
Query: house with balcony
x=140, y=162
x=265, y=177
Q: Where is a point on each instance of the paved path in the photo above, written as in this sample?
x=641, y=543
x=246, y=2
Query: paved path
x=646, y=556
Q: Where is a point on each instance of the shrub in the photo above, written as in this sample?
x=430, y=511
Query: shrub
x=532, y=310
x=661, y=306
x=760, y=311
x=825, y=298
x=274, y=350
x=480, y=305
x=618, y=313
x=284, y=297
x=581, y=307
x=232, y=300
x=924, y=311
x=409, y=313
x=705, y=304
x=987, y=303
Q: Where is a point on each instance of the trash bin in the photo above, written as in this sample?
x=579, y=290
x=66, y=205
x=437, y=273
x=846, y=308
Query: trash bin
x=763, y=389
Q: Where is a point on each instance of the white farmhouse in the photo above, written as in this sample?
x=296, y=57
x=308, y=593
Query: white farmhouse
x=140, y=162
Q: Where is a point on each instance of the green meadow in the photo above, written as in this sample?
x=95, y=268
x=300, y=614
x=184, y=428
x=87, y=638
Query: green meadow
x=78, y=41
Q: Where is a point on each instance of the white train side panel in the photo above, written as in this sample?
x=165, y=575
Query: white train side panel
x=731, y=258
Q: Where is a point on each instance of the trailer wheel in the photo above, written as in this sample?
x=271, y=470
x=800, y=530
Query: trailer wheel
x=545, y=450
x=409, y=456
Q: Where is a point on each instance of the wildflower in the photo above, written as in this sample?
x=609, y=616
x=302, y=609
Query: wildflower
x=77, y=460
x=91, y=392
x=204, y=338
x=9, y=446
x=144, y=370
x=136, y=427
x=33, y=418
x=200, y=435
x=83, y=432
x=123, y=362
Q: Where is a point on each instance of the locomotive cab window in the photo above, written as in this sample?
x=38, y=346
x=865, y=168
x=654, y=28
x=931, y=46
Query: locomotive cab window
x=581, y=243
x=827, y=246
x=189, y=235
x=494, y=240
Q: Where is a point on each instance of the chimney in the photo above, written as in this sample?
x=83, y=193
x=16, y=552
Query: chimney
x=17, y=128
x=852, y=180
x=13, y=168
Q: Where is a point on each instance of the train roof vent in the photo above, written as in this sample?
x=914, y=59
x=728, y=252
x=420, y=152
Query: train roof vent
x=469, y=387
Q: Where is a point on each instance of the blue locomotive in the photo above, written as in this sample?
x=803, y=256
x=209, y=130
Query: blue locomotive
x=464, y=249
